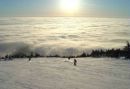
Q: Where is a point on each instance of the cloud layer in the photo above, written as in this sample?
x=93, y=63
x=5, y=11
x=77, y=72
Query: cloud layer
x=61, y=35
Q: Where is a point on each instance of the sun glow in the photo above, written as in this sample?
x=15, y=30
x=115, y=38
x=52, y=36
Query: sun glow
x=69, y=6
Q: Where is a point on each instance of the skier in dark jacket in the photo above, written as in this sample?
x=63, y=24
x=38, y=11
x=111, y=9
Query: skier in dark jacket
x=75, y=62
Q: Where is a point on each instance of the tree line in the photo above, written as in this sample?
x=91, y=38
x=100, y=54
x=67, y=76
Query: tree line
x=113, y=53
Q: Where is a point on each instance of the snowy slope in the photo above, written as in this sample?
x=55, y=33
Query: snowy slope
x=56, y=73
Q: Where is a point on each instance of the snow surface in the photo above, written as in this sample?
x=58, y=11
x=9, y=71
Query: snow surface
x=58, y=73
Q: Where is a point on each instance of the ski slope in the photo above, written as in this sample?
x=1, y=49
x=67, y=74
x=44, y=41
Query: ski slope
x=59, y=73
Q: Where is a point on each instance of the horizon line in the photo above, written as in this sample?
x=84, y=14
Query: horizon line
x=69, y=16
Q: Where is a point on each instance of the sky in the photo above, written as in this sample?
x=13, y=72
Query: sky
x=89, y=8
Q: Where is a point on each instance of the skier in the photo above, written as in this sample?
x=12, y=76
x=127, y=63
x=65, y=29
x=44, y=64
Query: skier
x=29, y=58
x=75, y=62
x=68, y=58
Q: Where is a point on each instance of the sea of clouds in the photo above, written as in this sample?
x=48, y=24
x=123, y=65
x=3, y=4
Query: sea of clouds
x=61, y=35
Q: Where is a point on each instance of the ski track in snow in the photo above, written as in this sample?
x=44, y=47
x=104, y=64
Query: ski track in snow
x=58, y=73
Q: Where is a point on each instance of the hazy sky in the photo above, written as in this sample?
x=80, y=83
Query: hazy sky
x=94, y=8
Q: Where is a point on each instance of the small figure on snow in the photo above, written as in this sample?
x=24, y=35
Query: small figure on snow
x=29, y=59
x=75, y=62
x=68, y=58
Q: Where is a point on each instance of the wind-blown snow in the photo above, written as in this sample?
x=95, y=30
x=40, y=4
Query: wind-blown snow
x=57, y=73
